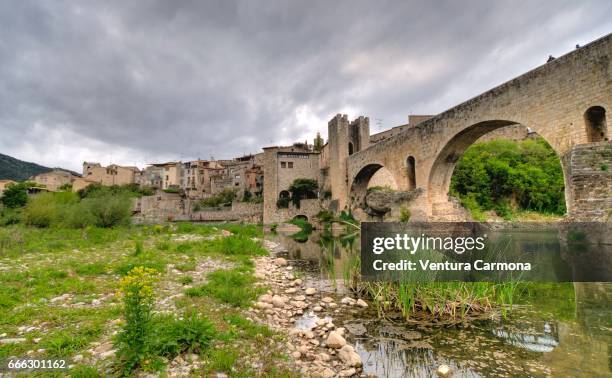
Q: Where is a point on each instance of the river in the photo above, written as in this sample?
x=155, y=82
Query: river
x=556, y=329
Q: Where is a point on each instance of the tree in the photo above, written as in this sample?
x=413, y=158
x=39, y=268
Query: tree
x=303, y=188
x=318, y=143
x=16, y=195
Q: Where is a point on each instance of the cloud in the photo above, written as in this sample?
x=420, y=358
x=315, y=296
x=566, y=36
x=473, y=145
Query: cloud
x=146, y=81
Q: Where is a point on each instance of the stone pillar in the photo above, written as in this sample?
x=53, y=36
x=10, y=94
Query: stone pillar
x=270, y=184
x=338, y=134
x=588, y=191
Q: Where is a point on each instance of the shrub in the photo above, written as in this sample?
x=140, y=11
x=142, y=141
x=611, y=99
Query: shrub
x=41, y=211
x=404, y=214
x=132, y=342
x=15, y=195
x=303, y=188
x=109, y=210
x=173, y=336
x=225, y=197
x=282, y=203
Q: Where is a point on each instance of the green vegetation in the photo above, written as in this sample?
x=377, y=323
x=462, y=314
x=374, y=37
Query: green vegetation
x=509, y=177
x=224, y=198
x=134, y=341
x=305, y=229
x=129, y=190
x=94, y=207
x=52, y=276
x=231, y=286
x=67, y=210
x=441, y=302
x=16, y=195
x=303, y=188
x=404, y=214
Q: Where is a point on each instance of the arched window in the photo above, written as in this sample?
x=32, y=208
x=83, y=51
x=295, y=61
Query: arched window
x=596, y=127
x=350, y=148
x=284, y=194
x=411, y=170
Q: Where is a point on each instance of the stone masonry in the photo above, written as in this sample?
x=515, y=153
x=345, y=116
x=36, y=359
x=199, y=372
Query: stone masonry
x=564, y=101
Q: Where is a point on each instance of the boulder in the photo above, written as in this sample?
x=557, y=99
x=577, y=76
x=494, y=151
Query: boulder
x=381, y=201
x=348, y=355
x=335, y=340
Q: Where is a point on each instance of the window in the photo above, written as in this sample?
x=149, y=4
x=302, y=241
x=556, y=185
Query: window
x=290, y=164
x=283, y=164
x=350, y=148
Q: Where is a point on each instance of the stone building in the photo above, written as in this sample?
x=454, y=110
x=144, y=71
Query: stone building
x=54, y=180
x=196, y=177
x=170, y=174
x=110, y=175
x=151, y=176
x=282, y=165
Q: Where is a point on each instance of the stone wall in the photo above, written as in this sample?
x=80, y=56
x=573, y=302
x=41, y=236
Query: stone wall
x=308, y=208
x=164, y=207
x=240, y=211
x=590, y=177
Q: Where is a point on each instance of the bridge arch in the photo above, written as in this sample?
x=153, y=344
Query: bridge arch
x=444, y=163
x=370, y=174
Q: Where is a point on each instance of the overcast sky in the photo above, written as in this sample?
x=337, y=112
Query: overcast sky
x=135, y=82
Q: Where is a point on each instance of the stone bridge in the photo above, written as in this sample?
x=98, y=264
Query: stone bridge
x=565, y=101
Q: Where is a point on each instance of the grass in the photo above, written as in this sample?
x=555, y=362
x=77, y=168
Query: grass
x=39, y=266
x=231, y=286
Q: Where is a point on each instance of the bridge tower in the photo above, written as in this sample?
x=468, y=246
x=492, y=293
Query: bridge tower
x=344, y=139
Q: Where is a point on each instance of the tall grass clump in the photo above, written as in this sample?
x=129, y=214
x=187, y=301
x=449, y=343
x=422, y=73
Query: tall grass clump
x=136, y=289
x=442, y=302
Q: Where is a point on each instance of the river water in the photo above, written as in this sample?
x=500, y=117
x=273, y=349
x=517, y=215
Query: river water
x=556, y=329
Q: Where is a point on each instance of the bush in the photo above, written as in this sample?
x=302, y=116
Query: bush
x=47, y=209
x=404, y=214
x=109, y=210
x=225, y=197
x=64, y=209
x=303, y=188
x=15, y=195
x=282, y=203
x=173, y=336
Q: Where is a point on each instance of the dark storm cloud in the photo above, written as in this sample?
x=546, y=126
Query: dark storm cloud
x=147, y=80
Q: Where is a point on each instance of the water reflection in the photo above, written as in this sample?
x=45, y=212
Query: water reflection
x=558, y=329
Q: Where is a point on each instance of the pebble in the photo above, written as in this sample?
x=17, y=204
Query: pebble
x=280, y=262
x=15, y=340
x=311, y=291
x=327, y=300
x=361, y=303
x=444, y=371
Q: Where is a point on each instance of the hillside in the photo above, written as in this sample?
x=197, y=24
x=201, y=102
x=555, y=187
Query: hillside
x=19, y=170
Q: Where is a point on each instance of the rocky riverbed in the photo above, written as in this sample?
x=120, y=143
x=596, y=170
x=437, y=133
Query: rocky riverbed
x=306, y=315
